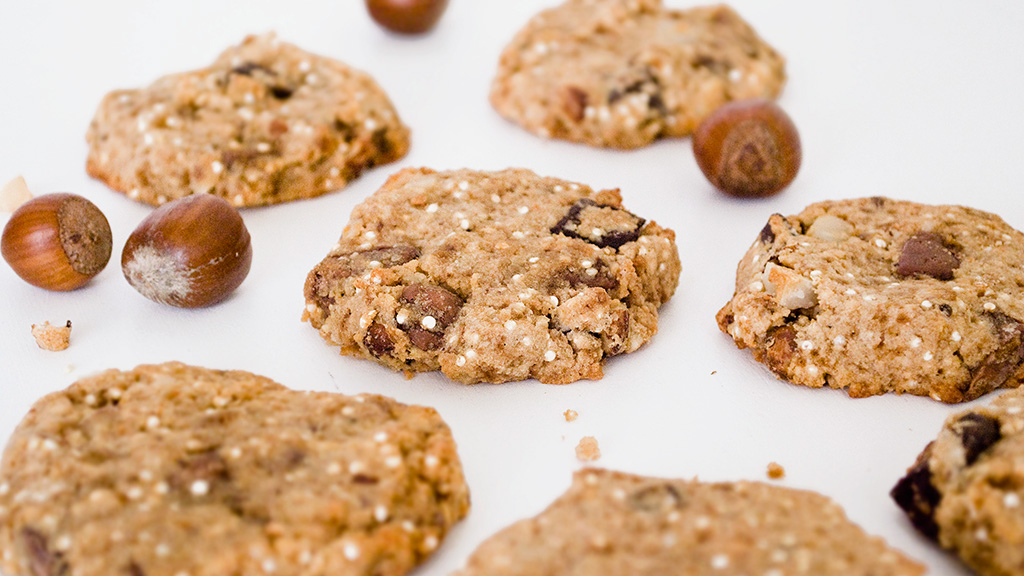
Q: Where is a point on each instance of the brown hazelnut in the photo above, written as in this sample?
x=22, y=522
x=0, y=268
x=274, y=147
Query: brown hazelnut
x=406, y=16
x=748, y=148
x=57, y=241
x=190, y=253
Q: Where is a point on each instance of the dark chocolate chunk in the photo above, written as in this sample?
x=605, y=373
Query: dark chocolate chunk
x=335, y=268
x=377, y=340
x=438, y=304
x=1001, y=364
x=767, y=235
x=207, y=466
x=575, y=277
x=925, y=253
x=574, y=102
x=616, y=336
x=977, y=433
x=916, y=495
x=360, y=478
x=135, y=570
x=781, y=347
x=248, y=68
x=41, y=560
x=946, y=309
x=604, y=226
x=656, y=498
x=281, y=92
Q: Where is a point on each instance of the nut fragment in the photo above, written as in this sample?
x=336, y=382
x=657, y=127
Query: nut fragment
x=57, y=241
x=790, y=289
x=191, y=252
x=52, y=338
x=14, y=194
x=748, y=148
x=830, y=228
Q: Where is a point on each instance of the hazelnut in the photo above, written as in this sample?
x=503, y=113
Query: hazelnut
x=190, y=253
x=406, y=16
x=57, y=241
x=748, y=148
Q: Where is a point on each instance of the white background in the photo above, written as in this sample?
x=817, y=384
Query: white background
x=918, y=100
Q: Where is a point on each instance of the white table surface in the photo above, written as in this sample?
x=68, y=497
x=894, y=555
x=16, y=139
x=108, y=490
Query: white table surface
x=919, y=100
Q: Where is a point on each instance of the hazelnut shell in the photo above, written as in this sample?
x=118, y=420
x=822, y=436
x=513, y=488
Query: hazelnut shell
x=190, y=253
x=57, y=241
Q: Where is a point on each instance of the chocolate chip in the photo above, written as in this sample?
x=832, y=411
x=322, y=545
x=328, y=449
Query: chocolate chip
x=377, y=340
x=41, y=560
x=381, y=142
x=1001, y=364
x=916, y=495
x=656, y=498
x=281, y=92
x=248, y=68
x=442, y=304
x=574, y=102
x=977, y=433
x=135, y=570
x=360, y=478
x=925, y=253
x=432, y=309
x=208, y=466
x=781, y=347
x=604, y=226
x=767, y=235
x=946, y=309
x=335, y=268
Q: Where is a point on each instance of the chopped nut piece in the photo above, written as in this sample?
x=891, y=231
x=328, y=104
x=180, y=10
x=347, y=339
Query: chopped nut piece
x=571, y=415
x=587, y=449
x=830, y=228
x=14, y=194
x=792, y=290
x=53, y=338
x=776, y=471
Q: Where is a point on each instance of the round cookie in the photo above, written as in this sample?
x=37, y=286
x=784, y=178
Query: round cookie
x=174, y=470
x=266, y=123
x=492, y=277
x=876, y=295
x=623, y=73
x=610, y=523
x=965, y=489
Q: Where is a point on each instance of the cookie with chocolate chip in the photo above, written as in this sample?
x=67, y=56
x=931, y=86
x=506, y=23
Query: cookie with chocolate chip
x=266, y=123
x=624, y=73
x=965, y=489
x=492, y=277
x=877, y=295
x=610, y=523
x=173, y=469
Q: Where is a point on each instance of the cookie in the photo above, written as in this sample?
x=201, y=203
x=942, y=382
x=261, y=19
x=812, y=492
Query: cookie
x=266, y=123
x=624, y=73
x=174, y=470
x=965, y=489
x=610, y=523
x=877, y=295
x=492, y=277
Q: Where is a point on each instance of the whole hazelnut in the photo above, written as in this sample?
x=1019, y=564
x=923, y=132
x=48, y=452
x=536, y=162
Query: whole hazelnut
x=190, y=253
x=406, y=16
x=57, y=241
x=748, y=148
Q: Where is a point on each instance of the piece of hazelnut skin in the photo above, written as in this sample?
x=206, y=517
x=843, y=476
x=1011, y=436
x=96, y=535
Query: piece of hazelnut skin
x=190, y=253
x=748, y=148
x=57, y=241
x=406, y=16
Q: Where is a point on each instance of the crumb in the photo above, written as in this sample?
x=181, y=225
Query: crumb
x=776, y=471
x=14, y=194
x=52, y=338
x=571, y=415
x=587, y=449
x=713, y=372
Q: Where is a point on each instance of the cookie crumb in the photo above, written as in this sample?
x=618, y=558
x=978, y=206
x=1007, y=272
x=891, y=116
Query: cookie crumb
x=14, y=194
x=53, y=338
x=587, y=449
x=776, y=471
x=571, y=415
